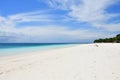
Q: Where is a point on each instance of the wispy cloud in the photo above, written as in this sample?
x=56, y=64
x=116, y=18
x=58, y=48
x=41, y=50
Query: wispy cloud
x=10, y=32
x=30, y=17
x=93, y=12
x=10, y=22
x=89, y=11
x=48, y=34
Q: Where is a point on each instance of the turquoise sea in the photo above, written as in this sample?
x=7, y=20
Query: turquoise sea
x=7, y=49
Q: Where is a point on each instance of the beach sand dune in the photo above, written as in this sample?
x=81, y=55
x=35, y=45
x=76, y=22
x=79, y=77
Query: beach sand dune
x=78, y=62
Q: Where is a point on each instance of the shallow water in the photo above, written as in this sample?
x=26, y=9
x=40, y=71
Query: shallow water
x=7, y=49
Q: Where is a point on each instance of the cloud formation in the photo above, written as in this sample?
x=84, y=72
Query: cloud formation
x=92, y=12
x=48, y=34
x=81, y=11
x=10, y=32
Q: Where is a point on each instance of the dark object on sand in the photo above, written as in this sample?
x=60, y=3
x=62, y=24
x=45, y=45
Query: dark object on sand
x=96, y=45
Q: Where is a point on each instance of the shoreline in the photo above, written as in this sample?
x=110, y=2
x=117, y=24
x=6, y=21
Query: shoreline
x=35, y=51
x=84, y=61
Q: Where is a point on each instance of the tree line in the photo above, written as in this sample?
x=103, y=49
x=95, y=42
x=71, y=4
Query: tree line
x=115, y=39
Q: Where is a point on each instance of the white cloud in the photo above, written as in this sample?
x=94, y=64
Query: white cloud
x=92, y=12
x=112, y=27
x=60, y=4
x=89, y=11
x=46, y=34
x=9, y=23
x=30, y=17
x=9, y=32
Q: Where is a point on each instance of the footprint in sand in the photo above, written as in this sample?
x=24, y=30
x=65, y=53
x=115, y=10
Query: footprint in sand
x=1, y=73
x=116, y=77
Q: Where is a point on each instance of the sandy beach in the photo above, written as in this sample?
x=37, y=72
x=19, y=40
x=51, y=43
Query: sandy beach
x=78, y=62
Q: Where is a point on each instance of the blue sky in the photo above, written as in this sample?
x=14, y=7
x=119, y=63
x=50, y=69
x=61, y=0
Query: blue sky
x=58, y=20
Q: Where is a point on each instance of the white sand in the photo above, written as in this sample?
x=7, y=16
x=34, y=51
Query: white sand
x=80, y=62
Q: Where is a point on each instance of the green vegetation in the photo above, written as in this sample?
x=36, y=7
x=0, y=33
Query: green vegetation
x=109, y=40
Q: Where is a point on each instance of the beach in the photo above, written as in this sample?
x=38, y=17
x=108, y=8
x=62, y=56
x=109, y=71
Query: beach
x=99, y=61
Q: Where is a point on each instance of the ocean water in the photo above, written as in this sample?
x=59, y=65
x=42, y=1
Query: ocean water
x=7, y=49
